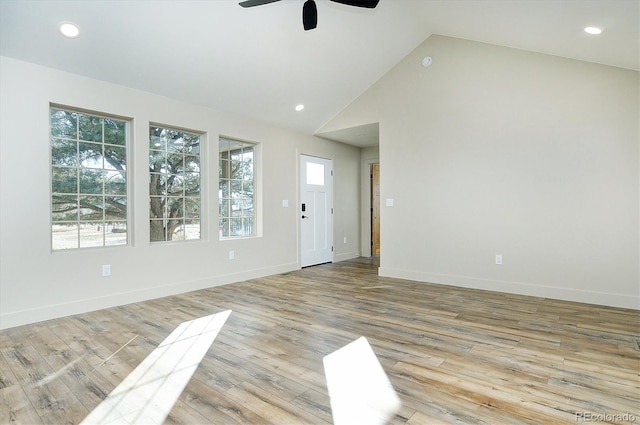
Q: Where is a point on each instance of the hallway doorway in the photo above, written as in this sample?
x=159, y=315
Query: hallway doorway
x=375, y=209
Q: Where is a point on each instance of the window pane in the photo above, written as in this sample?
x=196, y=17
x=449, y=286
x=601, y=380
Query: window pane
x=157, y=184
x=91, y=208
x=192, y=208
x=315, y=174
x=115, y=208
x=88, y=156
x=178, y=231
x=157, y=161
x=224, y=208
x=115, y=233
x=191, y=183
x=115, y=132
x=192, y=229
x=248, y=225
x=176, y=143
x=158, y=206
x=236, y=188
x=175, y=207
x=115, y=158
x=91, y=235
x=192, y=163
x=115, y=183
x=64, y=124
x=64, y=152
x=91, y=181
x=174, y=183
x=157, y=230
x=223, y=145
x=65, y=235
x=157, y=142
x=90, y=128
x=64, y=180
x=223, y=192
x=235, y=227
x=224, y=227
x=64, y=208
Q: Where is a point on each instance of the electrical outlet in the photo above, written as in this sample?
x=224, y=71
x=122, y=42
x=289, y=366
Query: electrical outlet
x=498, y=259
x=232, y=255
x=345, y=239
x=106, y=270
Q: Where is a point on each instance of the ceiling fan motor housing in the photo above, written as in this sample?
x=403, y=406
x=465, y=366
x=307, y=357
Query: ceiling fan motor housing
x=309, y=15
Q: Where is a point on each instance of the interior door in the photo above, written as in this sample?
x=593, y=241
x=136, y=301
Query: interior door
x=375, y=209
x=316, y=210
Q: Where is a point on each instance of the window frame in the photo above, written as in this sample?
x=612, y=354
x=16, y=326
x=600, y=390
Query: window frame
x=256, y=230
x=104, y=223
x=201, y=155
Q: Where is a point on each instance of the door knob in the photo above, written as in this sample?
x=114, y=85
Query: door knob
x=304, y=216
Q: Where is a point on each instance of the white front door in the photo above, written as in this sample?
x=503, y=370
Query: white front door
x=316, y=210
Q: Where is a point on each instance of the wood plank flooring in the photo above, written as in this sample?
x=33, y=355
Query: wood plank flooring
x=453, y=355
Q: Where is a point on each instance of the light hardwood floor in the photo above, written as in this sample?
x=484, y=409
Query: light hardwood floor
x=453, y=355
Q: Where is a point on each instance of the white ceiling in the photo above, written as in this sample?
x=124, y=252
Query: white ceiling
x=259, y=62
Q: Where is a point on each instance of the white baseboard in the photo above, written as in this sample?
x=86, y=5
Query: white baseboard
x=346, y=256
x=24, y=317
x=553, y=292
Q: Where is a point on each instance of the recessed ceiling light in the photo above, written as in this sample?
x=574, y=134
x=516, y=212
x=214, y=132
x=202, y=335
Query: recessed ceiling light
x=299, y=107
x=69, y=30
x=592, y=30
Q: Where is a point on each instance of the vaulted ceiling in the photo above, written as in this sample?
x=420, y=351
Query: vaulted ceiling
x=260, y=63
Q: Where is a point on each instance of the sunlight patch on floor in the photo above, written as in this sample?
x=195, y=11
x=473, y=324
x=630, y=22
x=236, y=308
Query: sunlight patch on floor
x=149, y=392
x=359, y=389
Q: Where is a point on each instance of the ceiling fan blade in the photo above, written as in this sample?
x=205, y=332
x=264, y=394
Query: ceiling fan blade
x=309, y=15
x=251, y=3
x=369, y=4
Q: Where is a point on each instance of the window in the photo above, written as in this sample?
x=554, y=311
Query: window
x=315, y=174
x=236, y=189
x=88, y=180
x=174, y=184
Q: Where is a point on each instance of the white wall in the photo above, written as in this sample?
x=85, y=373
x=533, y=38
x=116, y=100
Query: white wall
x=37, y=284
x=494, y=150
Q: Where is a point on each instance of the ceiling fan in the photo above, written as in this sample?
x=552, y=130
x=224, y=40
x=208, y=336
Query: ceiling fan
x=309, y=10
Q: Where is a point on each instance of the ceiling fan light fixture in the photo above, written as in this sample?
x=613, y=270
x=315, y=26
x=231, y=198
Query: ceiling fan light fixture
x=299, y=107
x=593, y=30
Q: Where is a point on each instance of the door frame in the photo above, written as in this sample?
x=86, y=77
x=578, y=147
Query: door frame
x=365, y=202
x=299, y=156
